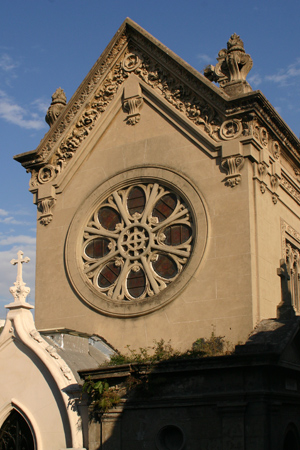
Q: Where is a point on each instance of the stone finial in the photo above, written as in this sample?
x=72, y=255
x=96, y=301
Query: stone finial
x=59, y=101
x=19, y=291
x=232, y=68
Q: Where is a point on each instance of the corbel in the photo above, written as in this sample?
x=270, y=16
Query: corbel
x=45, y=199
x=275, y=180
x=132, y=100
x=232, y=162
x=262, y=169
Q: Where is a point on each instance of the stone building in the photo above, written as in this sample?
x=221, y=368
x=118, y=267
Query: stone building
x=168, y=204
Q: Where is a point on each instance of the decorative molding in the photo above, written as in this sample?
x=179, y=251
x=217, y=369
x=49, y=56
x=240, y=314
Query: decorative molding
x=231, y=129
x=290, y=187
x=232, y=165
x=46, y=173
x=274, y=181
x=182, y=97
x=73, y=108
x=276, y=149
x=131, y=62
x=45, y=206
x=262, y=170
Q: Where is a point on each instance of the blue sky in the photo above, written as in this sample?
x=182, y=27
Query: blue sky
x=46, y=44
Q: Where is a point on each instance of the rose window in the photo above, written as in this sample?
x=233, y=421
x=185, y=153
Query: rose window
x=137, y=242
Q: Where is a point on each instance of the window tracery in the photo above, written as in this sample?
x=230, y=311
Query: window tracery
x=137, y=241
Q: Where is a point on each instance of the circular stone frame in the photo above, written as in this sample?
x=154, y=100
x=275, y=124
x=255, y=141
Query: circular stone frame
x=73, y=260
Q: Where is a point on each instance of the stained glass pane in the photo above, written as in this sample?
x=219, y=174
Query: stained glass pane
x=97, y=248
x=108, y=218
x=108, y=275
x=164, y=207
x=165, y=266
x=136, y=283
x=177, y=234
x=136, y=200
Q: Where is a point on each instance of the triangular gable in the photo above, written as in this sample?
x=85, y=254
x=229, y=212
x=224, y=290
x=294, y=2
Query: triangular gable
x=208, y=111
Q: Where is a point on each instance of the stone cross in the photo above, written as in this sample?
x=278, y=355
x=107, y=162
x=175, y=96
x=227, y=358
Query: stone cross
x=20, y=261
x=285, y=308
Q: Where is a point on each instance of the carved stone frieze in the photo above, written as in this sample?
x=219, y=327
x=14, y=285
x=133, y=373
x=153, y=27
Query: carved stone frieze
x=199, y=111
x=233, y=165
x=181, y=97
x=290, y=188
x=45, y=206
x=87, y=89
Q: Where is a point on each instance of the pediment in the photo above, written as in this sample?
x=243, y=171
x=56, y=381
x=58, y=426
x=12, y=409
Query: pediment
x=186, y=97
x=132, y=51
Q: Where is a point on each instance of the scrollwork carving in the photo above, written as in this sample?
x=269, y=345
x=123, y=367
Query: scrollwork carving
x=231, y=129
x=131, y=62
x=45, y=206
x=200, y=112
x=232, y=166
x=233, y=65
x=276, y=149
x=46, y=173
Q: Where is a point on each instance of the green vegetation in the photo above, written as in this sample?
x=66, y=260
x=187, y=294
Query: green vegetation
x=103, y=397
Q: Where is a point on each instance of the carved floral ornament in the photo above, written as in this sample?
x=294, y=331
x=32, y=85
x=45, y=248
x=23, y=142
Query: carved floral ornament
x=186, y=100
x=136, y=243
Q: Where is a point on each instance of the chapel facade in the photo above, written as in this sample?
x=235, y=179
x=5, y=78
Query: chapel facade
x=165, y=202
x=168, y=208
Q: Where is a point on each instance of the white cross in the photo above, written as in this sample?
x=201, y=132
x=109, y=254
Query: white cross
x=20, y=261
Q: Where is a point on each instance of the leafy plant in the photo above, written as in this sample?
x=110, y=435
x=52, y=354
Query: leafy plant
x=101, y=395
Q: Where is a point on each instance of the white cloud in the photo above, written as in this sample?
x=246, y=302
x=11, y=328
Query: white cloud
x=21, y=239
x=41, y=104
x=3, y=212
x=12, y=221
x=206, y=59
x=14, y=113
x=255, y=79
x=6, y=63
x=285, y=77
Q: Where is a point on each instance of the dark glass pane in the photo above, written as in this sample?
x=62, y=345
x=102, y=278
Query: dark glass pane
x=177, y=234
x=165, y=266
x=164, y=207
x=15, y=433
x=136, y=200
x=97, y=248
x=108, y=218
x=136, y=283
x=108, y=275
